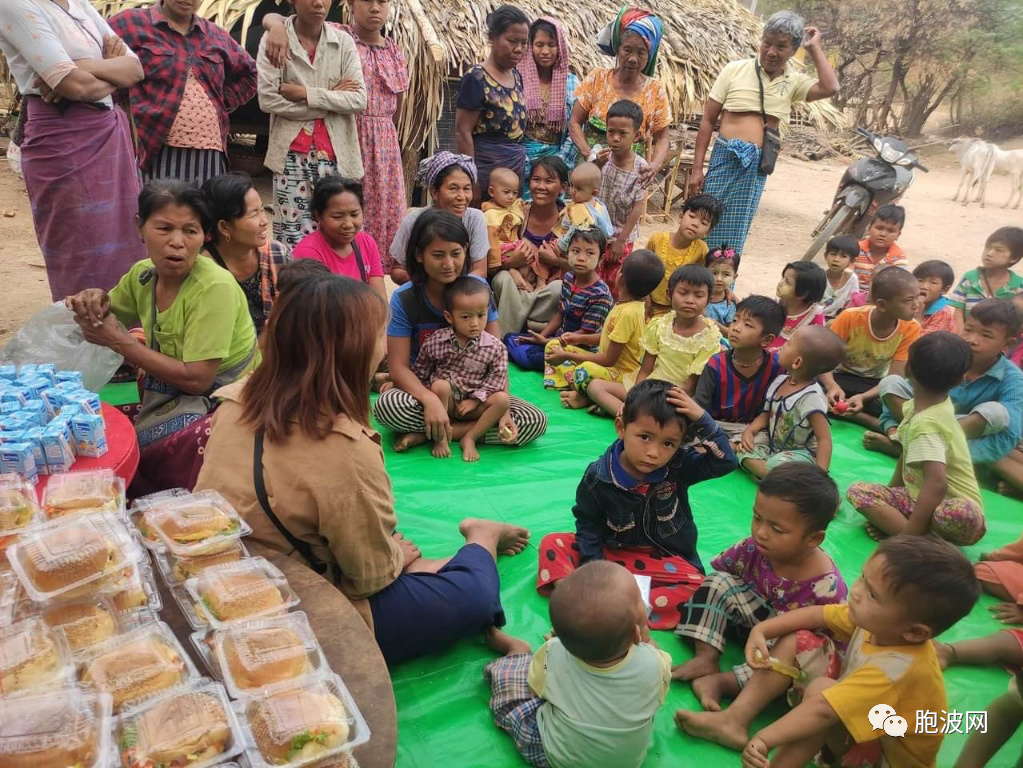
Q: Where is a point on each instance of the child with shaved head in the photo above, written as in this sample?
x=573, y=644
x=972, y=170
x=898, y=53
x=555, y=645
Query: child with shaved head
x=588, y=696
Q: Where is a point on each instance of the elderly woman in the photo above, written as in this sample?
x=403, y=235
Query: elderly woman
x=196, y=75
x=749, y=95
x=449, y=178
x=198, y=333
x=491, y=112
x=549, y=88
x=633, y=38
x=76, y=156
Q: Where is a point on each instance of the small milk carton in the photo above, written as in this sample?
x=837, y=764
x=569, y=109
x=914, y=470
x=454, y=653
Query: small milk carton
x=34, y=438
x=90, y=434
x=70, y=377
x=19, y=459
x=58, y=447
x=87, y=401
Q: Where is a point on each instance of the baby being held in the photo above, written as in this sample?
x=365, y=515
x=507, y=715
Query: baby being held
x=585, y=211
x=505, y=214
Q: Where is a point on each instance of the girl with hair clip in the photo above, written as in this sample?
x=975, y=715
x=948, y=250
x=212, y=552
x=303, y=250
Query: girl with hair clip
x=723, y=263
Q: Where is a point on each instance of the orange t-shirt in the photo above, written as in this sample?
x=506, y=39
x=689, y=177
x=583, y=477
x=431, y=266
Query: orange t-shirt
x=866, y=354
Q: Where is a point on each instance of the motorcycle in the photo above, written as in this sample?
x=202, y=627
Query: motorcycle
x=867, y=184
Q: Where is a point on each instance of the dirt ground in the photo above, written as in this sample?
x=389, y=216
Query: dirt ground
x=795, y=199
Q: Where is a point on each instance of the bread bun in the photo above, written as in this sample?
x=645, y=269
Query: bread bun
x=64, y=556
x=82, y=490
x=136, y=669
x=298, y=725
x=84, y=624
x=29, y=657
x=194, y=522
x=185, y=729
x=236, y=594
x=52, y=732
x=265, y=656
x=185, y=568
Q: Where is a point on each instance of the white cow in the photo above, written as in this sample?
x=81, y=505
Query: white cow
x=1009, y=161
x=975, y=156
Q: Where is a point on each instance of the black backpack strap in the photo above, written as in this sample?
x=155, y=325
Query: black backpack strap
x=300, y=546
x=358, y=260
x=412, y=304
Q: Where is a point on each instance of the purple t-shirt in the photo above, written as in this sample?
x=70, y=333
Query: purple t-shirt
x=745, y=562
x=315, y=246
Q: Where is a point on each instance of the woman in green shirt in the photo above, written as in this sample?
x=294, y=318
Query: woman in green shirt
x=198, y=332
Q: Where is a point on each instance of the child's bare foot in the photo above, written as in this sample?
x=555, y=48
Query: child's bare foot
x=875, y=533
x=504, y=644
x=711, y=689
x=503, y=538
x=875, y=441
x=574, y=399
x=698, y=666
x=441, y=449
x=1008, y=489
x=410, y=440
x=469, y=452
x=718, y=727
x=946, y=654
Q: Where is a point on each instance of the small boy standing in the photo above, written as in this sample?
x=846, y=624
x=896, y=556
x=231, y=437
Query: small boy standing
x=995, y=278
x=935, y=313
x=800, y=292
x=911, y=590
x=700, y=214
x=839, y=255
x=585, y=211
x=934, y=489
x=734, y=383
x=588, y=696
x=877, y=340
x=795, y=414
x=619, y=185
x=505, y=213
x=466, y=367
x=879, y=247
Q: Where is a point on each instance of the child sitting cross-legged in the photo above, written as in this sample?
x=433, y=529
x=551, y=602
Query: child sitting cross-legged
x=676, y=346
x=723, y=263
x=934, y=489
x=466, y=367
x=781, y=566
x=700, y=214
x=734, y=382
x=588, y=696
x=799, y=292
x=583, y=307
x=842, y=284
x=934, y=313
x=619, y=353
x=911, y=590
x=632, y=506
x=793, y=425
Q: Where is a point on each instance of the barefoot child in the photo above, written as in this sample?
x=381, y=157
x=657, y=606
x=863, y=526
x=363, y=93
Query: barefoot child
x=879, y=249
x=619, y=353
x=585, y=210
x=934, y=489
x=588, y=696
x=676, y=346
x=994, y=279
x=583, y=308
x=734, y=382
x=793, y=425
x=466, y=367
x=505, y=214
x=632, y=506
x=839, y=254
x=934, y=313
x=723, y=264
x=911, y=590
x=781, y=566
x=799, y=292
x=700, y=213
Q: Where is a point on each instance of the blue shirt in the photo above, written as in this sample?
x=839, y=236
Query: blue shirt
x=721, y=311
x=1001, y=383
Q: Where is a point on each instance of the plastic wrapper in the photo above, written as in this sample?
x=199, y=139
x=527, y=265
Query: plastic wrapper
x=250, y=589
x=200, y=524
x=32, y=655
x=95, y=490
x=67, y=728
x=263, y=655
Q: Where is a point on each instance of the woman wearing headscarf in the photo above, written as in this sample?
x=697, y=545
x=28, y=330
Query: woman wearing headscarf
x=450, y=179
x=734, y=175
x=633, y=38
x=549, y=88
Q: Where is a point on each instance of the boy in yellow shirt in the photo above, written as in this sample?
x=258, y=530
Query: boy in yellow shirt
x=700, y=214
x=912, y=588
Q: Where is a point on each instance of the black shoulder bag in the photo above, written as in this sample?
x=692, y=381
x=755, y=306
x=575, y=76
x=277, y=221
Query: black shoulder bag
x=300, y=546
x=358, y=261
x=772, y=139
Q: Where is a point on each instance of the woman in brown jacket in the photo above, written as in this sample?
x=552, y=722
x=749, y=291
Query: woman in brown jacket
x=302, y=420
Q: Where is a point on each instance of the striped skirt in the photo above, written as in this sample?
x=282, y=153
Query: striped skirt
x=734, y=178
x=183, y=164
x=400, y=412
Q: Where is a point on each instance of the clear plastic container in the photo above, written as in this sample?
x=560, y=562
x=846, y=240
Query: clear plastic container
x=304, y=724
x=196, y=620
x=143, y=505
x=269, y=654
x=200, y=524
x=10, y=590
x=189, y=727
x=203, y=641
x=68, y=727
x=178, y=570
x=137, y=665
x=136, y=589
x=73, y=558
x=250, y=589
x=32, y=655
x=84, y=623
x=97, y=490
x=18, y=506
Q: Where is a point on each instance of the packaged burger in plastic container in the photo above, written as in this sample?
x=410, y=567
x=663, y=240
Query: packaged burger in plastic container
x=84, y=623
x=249, y=589
x=143, y=506
x=18, y=506
x=137, y=665
x=204, y=642
x=10, y=596
x=135, y=588
x=263, y=655
x=191, y=726
x=178, y=570
x=85, y=492
x=63, y=728
x=33, y=655
x=300, y=725
x=200, y=524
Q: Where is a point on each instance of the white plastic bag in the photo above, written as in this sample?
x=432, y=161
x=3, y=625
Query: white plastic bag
x=53, y=336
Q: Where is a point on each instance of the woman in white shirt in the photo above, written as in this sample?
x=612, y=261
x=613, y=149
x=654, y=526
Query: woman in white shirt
x=77, y=155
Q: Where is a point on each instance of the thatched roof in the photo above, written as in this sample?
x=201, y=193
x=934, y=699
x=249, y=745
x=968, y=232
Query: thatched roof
x=441, y=38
